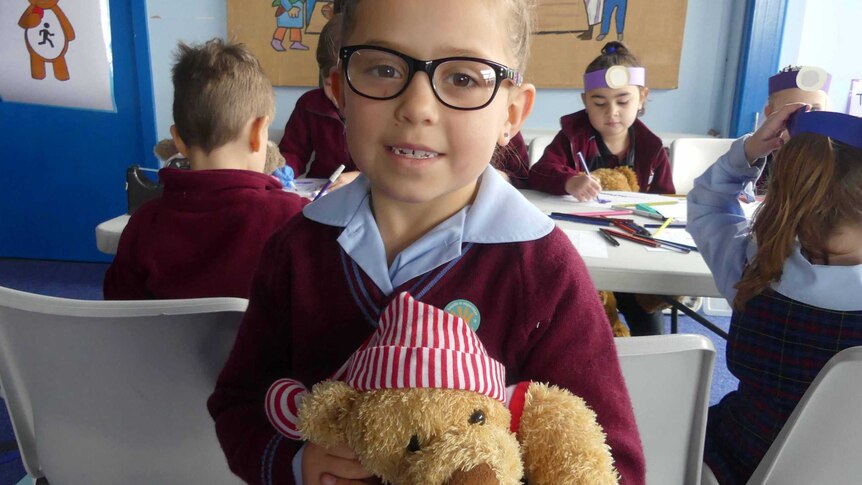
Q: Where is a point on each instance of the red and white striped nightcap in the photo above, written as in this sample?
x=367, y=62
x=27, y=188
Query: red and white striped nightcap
x=416, y=345
x=419, y=345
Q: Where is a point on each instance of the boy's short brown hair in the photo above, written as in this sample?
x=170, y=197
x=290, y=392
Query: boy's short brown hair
x=218, y=88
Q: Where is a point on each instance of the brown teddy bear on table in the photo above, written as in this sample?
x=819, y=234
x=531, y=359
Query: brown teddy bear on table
x=451, y=424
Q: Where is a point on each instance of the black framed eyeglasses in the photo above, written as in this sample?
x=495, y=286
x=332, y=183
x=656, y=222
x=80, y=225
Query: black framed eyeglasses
x=464, y=83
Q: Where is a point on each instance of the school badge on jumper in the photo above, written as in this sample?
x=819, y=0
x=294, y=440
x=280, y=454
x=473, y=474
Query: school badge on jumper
x=466, y=311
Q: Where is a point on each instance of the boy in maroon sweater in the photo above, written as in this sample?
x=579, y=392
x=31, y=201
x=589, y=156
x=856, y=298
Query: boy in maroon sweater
x=427, y=215
x=204, y=236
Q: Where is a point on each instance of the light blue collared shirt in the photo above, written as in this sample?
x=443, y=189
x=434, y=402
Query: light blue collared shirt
x=722, y=233
x=499, y=214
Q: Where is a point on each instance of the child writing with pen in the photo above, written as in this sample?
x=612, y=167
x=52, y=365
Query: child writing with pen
x=793, y=274
x=429, y=90
x=607, y=134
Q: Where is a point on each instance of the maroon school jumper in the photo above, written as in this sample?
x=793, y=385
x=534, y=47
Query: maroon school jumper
x=202, y=238
x=560, y=160
x=514, y=161
x=311, y=307
x=315, y=128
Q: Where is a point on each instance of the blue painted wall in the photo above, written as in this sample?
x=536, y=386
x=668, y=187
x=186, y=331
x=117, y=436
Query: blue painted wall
x=63, y=171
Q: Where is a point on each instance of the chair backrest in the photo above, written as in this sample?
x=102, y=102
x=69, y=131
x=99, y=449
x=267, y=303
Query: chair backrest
x=690, y=157
x=115, y=392
x=537, y=147
x=668, y=378
x=821, y=441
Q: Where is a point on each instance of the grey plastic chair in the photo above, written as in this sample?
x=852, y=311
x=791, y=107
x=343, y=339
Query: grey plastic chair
x=822, y=438
x=668, y=378
x=115, y=392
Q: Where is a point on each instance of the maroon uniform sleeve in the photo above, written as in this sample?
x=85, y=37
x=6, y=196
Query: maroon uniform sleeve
x=255, y=451
x=514, y=161
x=662, y=179
x=126, y=278
x=296, y=145
x=555, y=167
x=571, y=345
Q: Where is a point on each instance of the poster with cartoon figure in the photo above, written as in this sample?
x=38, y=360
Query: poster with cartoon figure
x=56, y=52
x=283, y=34
x=566, y=39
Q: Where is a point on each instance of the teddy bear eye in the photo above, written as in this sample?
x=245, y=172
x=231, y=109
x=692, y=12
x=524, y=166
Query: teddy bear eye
x=413, y=446
x=478, y=417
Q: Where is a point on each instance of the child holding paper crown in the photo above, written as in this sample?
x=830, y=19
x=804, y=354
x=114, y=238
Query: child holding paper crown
x=794, y=84
x=794, y=275
x=608, y=134
x=428, y=91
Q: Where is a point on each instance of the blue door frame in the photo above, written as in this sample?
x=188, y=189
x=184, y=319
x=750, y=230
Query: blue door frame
x=761, y=48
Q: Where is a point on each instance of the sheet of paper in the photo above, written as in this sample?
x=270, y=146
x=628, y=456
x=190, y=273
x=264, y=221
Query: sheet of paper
x=306, y=187
x=588, y=243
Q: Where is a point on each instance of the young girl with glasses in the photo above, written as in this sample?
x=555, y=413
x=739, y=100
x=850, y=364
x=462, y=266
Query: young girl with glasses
x=428, y=91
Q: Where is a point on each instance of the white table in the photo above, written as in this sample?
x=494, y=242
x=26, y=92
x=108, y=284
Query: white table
x=108, y=234
x=630, y=267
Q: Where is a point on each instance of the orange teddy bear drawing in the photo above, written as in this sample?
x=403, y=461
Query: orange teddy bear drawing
x=47, y=32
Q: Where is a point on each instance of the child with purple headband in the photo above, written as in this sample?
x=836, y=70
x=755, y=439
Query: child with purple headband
x=795, y=84
x=608, y=134
x=793, y=274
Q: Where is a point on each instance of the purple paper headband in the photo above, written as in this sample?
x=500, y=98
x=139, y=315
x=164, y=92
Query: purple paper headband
x=840, y=127
x=807, y=78
x=615, y=77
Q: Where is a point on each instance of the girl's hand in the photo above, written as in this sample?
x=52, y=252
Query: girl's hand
x=333, y=466
x=768, y=137
x=583, y=187
x=344, y=179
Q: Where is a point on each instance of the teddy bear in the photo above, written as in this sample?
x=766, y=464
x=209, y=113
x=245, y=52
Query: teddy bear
x=167, y=152
x=436, y=411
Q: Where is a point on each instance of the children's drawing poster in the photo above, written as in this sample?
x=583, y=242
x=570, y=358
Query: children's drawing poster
x=283, y=34
x=571, y=33
x=57, y=52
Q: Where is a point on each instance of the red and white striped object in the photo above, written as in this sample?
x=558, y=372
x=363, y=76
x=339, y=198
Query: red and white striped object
x=419, y=345
x=416, y=345
x=282, y=406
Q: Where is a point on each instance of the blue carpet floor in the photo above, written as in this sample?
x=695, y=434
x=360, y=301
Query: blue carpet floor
x=84, y=281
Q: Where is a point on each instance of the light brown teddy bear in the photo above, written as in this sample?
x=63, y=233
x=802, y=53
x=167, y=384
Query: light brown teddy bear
x=165, y=150
x=447, y=425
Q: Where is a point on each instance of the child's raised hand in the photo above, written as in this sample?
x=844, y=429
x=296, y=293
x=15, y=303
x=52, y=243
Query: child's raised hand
x=583, y=187
x=333, y=466
x=768, y=138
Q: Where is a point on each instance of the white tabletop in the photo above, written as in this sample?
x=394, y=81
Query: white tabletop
x=631, y=267
x=108, y=234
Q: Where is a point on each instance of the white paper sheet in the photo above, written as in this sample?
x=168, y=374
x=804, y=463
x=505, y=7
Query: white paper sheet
x=589, y=244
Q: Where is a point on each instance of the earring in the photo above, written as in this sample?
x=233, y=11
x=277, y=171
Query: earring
x=506, y=135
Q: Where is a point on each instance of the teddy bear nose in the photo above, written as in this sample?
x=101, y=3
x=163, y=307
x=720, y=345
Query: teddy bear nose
x=413, y=446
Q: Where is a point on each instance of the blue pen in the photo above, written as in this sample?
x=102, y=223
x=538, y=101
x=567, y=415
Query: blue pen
x=587, y=171
x=584, y=220
x=332, y=178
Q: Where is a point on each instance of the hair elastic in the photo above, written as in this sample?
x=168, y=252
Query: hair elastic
x=839, y=127
x=806, y=78
x=615, y=77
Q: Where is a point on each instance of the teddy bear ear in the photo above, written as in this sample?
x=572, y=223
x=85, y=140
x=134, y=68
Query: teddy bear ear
x=323, y=412
x=165, y=149
x=274, y=158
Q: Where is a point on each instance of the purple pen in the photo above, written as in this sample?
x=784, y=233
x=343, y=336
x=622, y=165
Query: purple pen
x=332, y=178
x=587, y=171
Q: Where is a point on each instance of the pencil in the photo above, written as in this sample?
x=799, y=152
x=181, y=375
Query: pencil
x=610, y=239
x=332, y=179
x=662, y=226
